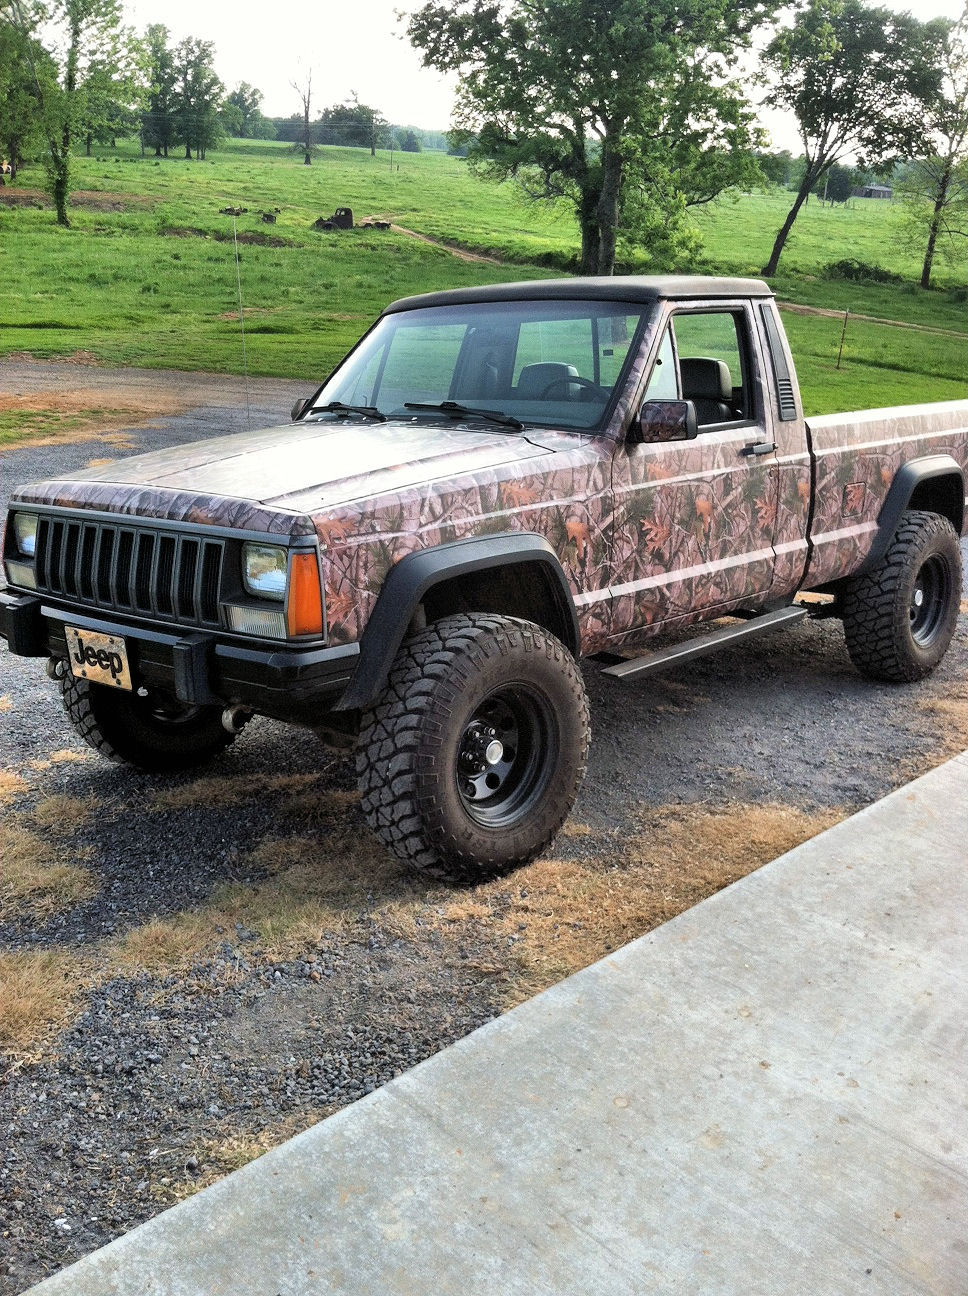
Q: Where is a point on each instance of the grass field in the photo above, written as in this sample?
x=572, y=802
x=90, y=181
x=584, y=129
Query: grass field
x=147, y=276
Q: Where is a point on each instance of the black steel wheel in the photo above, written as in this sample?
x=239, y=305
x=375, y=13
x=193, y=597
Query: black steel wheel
x=472, y=758
x=147, y=728
x=506, y=756
x=900, y=616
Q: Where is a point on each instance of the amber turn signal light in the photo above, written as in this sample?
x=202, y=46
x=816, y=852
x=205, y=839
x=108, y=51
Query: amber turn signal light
x=304, y=615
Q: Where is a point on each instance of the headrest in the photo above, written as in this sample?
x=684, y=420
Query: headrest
x=535, y=379
x=704, y=379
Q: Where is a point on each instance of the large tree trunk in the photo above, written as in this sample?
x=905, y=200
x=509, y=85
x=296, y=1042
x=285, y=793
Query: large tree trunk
x=608, y=208
x=934, y=228
x=60, y=188
x=587, y=212
x=810, y=178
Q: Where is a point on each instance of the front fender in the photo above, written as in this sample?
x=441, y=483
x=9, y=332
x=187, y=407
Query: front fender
x=409, y=581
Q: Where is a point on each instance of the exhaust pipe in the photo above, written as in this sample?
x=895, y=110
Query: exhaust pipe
x=56, y=668
x=235, y=718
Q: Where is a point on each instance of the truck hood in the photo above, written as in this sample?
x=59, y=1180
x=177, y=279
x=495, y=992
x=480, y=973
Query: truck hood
x=308, y=467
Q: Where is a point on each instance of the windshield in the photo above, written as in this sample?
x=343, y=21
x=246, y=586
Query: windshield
x=548, y=362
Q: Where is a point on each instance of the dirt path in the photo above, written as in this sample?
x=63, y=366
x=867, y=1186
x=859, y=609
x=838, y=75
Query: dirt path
x=795, y=308
x=460, y=253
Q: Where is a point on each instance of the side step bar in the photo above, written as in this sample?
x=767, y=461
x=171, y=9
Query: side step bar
x=763, y=624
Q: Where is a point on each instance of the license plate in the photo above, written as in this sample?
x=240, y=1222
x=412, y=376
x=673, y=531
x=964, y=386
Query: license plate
x=100, y=658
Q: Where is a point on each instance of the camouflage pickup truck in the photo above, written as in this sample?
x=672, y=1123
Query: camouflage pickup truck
x=495, y=483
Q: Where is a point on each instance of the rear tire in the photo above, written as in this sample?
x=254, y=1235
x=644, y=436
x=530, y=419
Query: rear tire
x=900, y=616
x=155, y=733
x=472, y=758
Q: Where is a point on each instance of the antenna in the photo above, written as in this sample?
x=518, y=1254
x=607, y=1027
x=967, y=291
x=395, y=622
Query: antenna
x=245, y=365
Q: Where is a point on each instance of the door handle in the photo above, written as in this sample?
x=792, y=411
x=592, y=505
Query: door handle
x=759, y=448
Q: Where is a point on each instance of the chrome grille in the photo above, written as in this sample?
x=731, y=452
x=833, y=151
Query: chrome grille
x=131, y=569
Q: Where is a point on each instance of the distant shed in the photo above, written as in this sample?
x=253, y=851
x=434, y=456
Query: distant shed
x=874, y=191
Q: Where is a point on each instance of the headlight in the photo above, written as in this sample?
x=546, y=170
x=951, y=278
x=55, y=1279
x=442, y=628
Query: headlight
x=25, y=529
x=264, y=570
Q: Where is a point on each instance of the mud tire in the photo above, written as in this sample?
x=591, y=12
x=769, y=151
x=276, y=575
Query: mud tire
x=900, y=616
x=447, y=683
x=153, y=734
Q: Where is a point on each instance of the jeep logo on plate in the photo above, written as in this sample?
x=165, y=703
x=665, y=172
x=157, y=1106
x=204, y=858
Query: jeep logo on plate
x=100, y=658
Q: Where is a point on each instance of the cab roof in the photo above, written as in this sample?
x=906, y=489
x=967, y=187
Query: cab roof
x=623, y=288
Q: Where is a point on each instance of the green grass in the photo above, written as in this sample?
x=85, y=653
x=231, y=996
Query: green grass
x=146, y=275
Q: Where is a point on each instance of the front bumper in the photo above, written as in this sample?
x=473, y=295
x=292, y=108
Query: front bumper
x=292, y=682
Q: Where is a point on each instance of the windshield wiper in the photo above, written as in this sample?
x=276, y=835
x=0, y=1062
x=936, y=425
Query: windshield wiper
x=453, y=410
x=337, y=407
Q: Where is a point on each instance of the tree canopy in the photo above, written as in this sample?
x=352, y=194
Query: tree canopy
x=860, y=80
x=629, y=109
x=935, y=187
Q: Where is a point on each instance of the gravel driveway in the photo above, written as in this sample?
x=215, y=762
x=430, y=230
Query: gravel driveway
x=231, y=957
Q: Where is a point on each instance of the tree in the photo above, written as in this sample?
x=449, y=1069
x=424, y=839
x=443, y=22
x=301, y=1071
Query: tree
x=304, y=141
x=858, y=80
x=251, y=123
x=409, y=141
x=113, y=93
x=197, y=97
x=354, y=125
x=25, y=66
x=87, y=35
x=838, y=183
x=935, y=188
x=159, y=129
x=777, y=167
x=580, y=97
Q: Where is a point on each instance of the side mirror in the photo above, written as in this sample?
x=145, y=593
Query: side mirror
x=664, y=420
x=298, y=408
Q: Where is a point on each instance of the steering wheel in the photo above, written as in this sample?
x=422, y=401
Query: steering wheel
x=585, y=384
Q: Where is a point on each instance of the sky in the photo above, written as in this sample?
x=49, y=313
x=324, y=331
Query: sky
x=350, y=45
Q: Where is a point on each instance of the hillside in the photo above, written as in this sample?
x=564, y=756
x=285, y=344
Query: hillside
x=147, y=274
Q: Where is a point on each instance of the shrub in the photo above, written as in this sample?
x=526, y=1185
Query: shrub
x=860, y=272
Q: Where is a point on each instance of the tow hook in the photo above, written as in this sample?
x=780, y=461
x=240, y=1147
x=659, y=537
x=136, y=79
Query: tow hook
x=56, y=668
x=235, y=718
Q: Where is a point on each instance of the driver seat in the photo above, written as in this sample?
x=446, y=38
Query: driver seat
x=535, y=379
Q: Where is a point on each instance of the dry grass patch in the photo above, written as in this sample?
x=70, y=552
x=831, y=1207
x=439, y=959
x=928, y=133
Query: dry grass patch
x=221, y=792
x=63, y=814
x=12, y=786
x=166, y=945
x=219, y=1157
x=313, y=885
x=39, y=990
x=562, y=915
x=6, y=703
x=949, y=714
x=316, y=885
x=55, y=417
x=33, y=879
x=68, y=755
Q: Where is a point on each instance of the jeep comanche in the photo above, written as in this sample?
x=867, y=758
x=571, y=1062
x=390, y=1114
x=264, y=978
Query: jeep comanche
x=495, y=483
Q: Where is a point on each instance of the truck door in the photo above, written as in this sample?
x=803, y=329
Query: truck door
x=695, y=519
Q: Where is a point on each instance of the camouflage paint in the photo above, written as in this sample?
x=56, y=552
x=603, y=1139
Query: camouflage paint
x=857, y=457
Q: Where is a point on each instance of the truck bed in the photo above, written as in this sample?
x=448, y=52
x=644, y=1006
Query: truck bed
x=856, y=457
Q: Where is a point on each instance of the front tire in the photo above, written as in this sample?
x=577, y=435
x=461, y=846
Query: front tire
x=900, y=616
x=153, y=732
x=472, y=758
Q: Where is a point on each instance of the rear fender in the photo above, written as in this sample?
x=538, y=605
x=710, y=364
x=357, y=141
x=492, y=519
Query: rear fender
x=935, y=483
